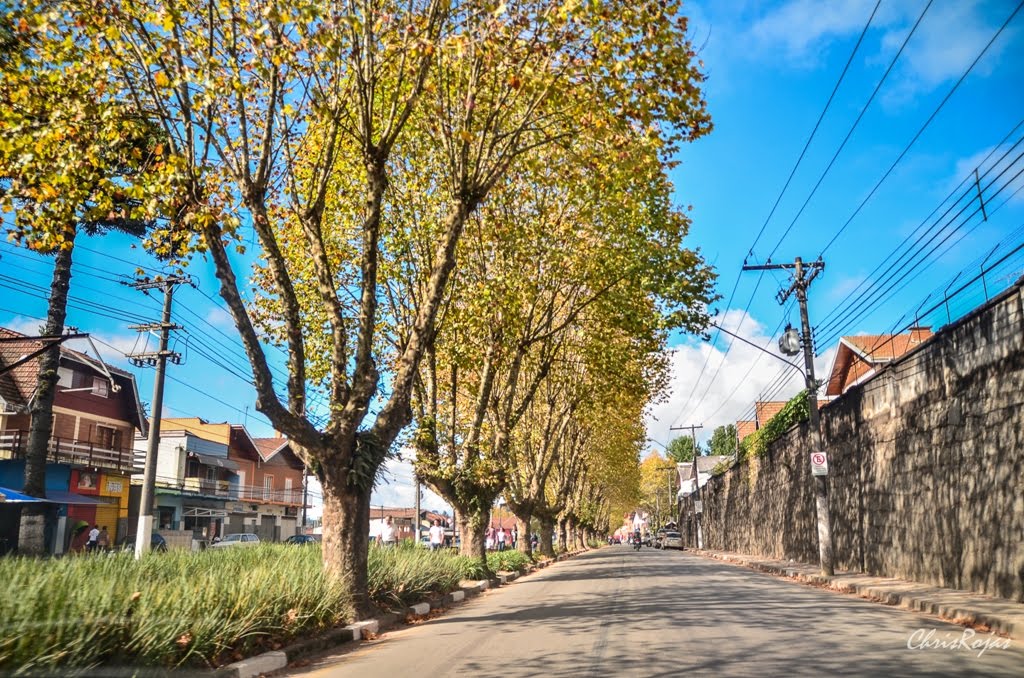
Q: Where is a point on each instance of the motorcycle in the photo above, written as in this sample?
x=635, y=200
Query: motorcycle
x=637, y=542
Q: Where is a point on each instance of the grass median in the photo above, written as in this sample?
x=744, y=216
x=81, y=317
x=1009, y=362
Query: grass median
x=195, y=609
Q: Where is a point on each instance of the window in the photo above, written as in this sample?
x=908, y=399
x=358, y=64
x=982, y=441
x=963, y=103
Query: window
x=108, y=437
x=65, y=377
x=192, y=469
x=100, y=387
x=211, y=473
x=268, y=487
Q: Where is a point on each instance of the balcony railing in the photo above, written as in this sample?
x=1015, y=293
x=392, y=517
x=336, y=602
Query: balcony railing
x=14, y=445
x=222, y=489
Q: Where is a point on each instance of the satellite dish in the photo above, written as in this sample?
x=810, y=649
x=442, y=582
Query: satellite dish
x=789, y=342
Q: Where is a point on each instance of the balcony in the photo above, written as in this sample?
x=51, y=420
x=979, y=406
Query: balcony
x=222, y=489
x=14, y=445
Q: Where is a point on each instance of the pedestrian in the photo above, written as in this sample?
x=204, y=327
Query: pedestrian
x=387, y=533
x=436, y=535
x=489, y=541
x=501, y=538
x=515, y=538
x=103, y=540
x=94, y=535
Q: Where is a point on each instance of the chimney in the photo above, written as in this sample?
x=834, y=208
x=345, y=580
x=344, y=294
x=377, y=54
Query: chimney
x=919, y=333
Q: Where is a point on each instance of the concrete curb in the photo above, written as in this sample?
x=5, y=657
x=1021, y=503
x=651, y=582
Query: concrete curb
x=279, y=659
x=960, y=607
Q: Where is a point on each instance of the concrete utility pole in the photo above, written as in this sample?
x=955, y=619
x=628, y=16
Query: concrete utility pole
x=698, y=508
x=801, y=281
x=416, y=523
x=159, y=359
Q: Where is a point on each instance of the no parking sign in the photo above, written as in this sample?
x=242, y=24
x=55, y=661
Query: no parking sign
x=819, y=464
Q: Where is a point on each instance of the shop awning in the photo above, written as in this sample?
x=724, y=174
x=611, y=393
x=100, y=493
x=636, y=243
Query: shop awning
x=211, y=460
x=61, y=497
x=8, y=496
x=199, y=512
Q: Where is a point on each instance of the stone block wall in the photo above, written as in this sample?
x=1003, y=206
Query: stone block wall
x=926, y=464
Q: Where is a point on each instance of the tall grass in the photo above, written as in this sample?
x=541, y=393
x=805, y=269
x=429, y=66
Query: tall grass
x=507, y=561
x=202, y=608
x=406, y=573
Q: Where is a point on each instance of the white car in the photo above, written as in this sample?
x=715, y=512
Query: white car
x=239, y=540
x=672, y=540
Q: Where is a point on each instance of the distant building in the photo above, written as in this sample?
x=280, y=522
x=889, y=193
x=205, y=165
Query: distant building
x=96, y=413
x=859, y=357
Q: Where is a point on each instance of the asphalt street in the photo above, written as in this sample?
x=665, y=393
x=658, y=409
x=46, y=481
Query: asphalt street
x=616, y=612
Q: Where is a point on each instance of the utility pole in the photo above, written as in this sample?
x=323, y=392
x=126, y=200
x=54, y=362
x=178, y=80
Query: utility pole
x=698, y=508
x=159, y=359
x=416, y=523
x=305, y=495
x=801, y=281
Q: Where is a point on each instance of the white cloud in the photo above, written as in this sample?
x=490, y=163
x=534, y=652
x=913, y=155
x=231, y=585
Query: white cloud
x=23, y=325
x=948, y=39
x=988, y=171
x=745, y=374
x=803, y=27
x=218, y=317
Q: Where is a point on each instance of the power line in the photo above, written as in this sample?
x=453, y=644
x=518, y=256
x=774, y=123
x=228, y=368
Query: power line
x=924, y=126
x=771, y=213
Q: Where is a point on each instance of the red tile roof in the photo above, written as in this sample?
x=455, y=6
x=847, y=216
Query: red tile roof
x=859, y=356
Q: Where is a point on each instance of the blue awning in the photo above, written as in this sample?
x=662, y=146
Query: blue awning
x=8, y=496
x=61, y=497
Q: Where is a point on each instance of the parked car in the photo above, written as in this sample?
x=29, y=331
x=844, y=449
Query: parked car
x=237, y=540
x=156, y=543
x=672, y=540
x=303, y=539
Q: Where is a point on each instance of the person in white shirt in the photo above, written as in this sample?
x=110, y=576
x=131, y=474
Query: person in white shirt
x=387, y=533
x=501, y=539
x=436, y=535
x=94, y=536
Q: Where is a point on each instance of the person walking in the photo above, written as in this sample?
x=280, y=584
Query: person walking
x=387, y=533
x=436, y=535
x=94, y=536
x=515, y=537
x=103, y=540
x=501, y=538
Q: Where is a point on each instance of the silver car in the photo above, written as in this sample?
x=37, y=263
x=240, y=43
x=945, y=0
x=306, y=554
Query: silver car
x=237, y=540
x=672, y=540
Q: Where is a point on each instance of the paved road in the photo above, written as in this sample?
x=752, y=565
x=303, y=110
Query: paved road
x=615, y=612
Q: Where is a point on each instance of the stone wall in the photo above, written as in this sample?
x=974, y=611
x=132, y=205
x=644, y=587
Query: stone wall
x=926, y=464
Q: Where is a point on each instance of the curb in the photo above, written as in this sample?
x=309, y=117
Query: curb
x=918, y=601
x=268, y=662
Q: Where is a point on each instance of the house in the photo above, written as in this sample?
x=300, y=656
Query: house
x=215, y=479
x=688, y=474
x=859, y=357
x=96, y=415
x=403, y=520
x=764, y=410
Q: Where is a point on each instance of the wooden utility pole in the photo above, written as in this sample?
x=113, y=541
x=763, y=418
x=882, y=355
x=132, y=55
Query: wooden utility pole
x=144, y=530
x=801, y=281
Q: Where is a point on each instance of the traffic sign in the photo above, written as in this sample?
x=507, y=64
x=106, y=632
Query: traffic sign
x=819, y=464
x=698, y=506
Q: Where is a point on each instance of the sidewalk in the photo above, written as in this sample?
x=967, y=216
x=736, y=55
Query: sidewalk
x=961, y=607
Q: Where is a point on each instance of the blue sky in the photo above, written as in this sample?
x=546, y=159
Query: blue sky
x=771, y=66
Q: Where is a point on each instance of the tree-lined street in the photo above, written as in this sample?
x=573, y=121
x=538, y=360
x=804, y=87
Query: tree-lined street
x=616, y=612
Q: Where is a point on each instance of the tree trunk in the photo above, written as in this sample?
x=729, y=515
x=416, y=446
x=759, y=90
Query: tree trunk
x=523, y=526
x=346, y=540
x=547, y=527
x=473, y=531
x=32, y=531
x=563, y=543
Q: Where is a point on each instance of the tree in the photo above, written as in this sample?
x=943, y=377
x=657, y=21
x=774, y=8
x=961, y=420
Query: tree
x=723, y=440
x=71, y=164
x=294, y=118
x=680, y=449
x=656, y=480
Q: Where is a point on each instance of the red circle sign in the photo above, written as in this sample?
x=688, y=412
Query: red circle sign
x=818, y=458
